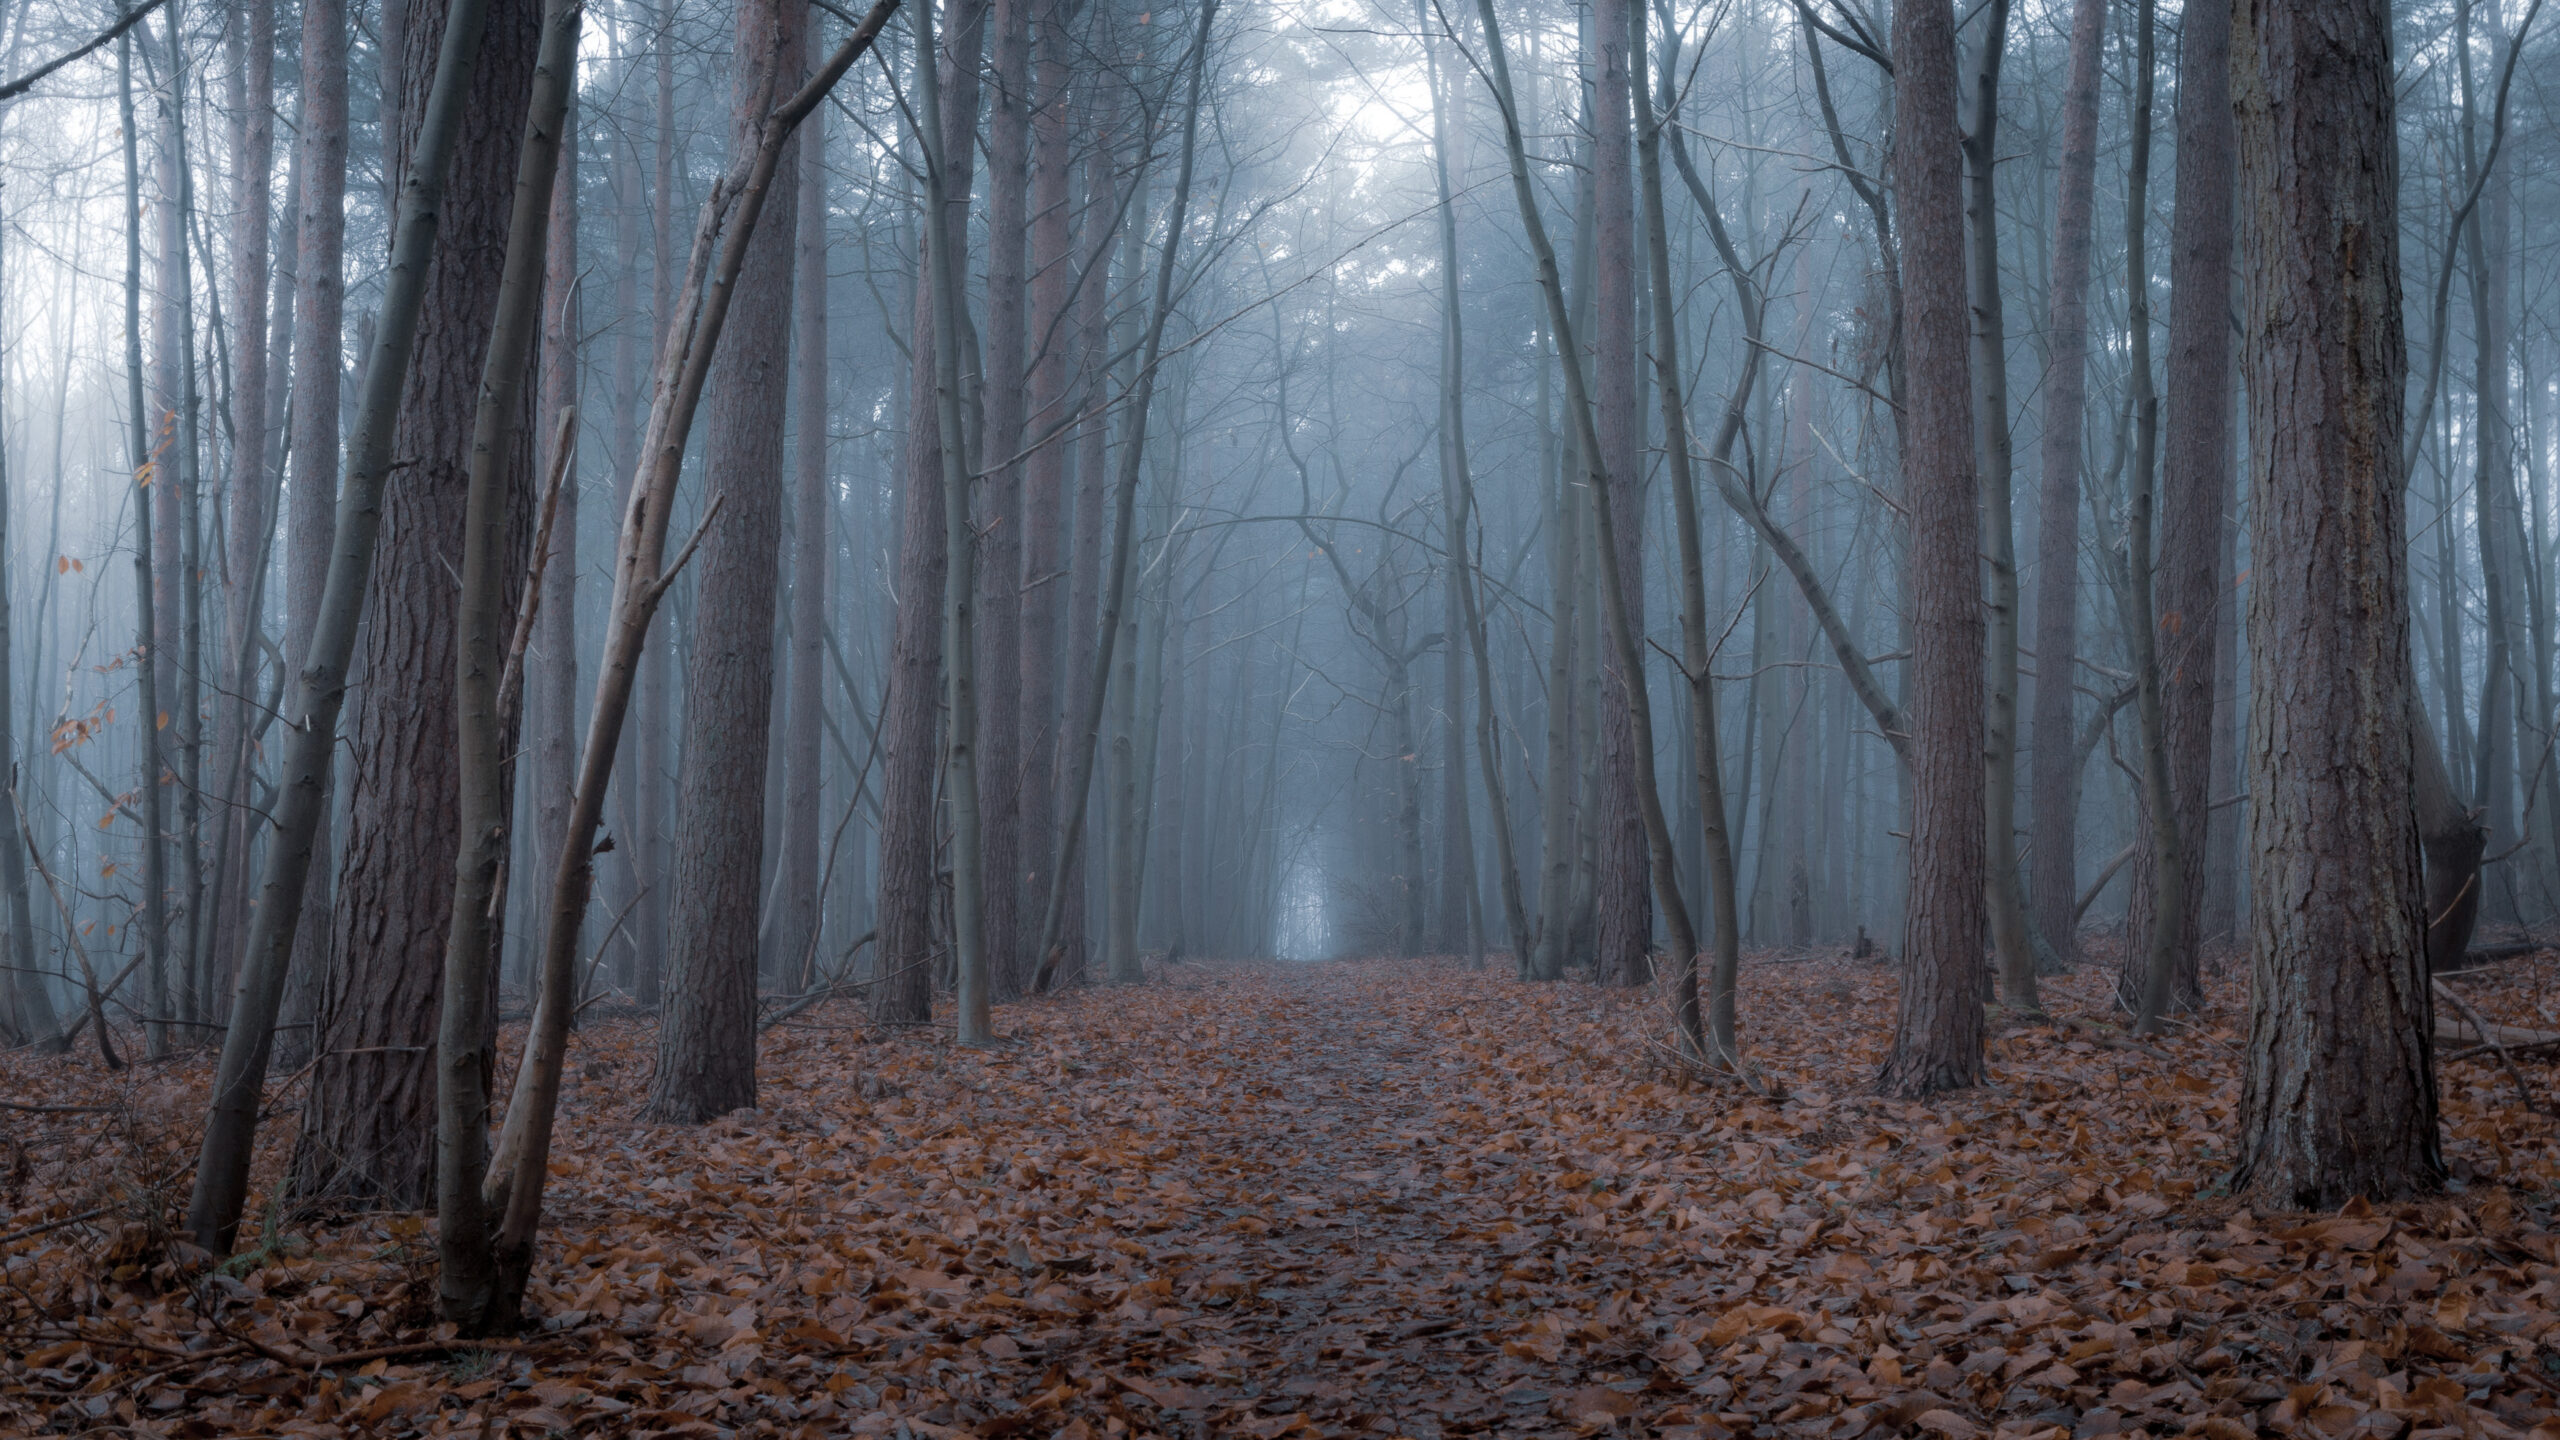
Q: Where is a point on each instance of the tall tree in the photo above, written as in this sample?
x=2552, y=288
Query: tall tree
x=909, y=753
x=319, y=311
x=706, y=1034
x=1937, y=1043
x=1000, y=517
x=368, y=1129
x=2195, y=482
x=2053, y=788
x=2013, y=952
x=2338, y=1097
x=1625, y=919
x=230, y=1134
x=798, y=889
x=1053, y=342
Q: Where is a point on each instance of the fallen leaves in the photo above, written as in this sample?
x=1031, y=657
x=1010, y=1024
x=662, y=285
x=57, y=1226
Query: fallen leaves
x=1389, y=1199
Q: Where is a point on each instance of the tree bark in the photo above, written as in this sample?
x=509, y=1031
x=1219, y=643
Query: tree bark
x=2012, y=951
x=1937, y=1043
x=2052, y=778
x=999, y=577
x=2195, y=483
x=146, y=464
x=1624, y=919
x=222, y=1165
x=904, y=995
x=1053, y=341
x=368, y=1130
x=318, y=374
x=469, y=1288
x=2338, y=1097
x=811, y=540
x=707, y=1031
x=551, y=690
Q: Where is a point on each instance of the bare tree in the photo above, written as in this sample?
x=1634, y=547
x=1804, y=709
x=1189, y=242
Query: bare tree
x=1937, y=1043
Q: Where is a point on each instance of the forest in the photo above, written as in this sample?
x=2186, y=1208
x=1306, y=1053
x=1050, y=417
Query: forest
x=1096, y=718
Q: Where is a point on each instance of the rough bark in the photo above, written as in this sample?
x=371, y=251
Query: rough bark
x=488, y=655
x=222, y=1162
x=1937, y=1043
x=2338, y=1097
x=706, y=1032
x=368, y=1131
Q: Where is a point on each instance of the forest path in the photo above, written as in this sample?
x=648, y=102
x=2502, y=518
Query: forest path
x=1337, y=1146
x=1369, y=1199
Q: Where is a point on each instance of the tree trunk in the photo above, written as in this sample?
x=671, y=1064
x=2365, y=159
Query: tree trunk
x=146, y=464
x=368, y=1130
x=1937, y=1043
x=904, y=995
x=551, y=689
x=2053, y=787
x=707, y=1028
x=2195, y=484
x=1091, y=330
x=2013, y=951
x=318, y=373
x=26, y=1004
x=812, y=514
x=1150, y=350
x=1044, y=473
x=1624, y=919
x=1467, y=606
x=251, y=486
x=222, y=1164
x=2339, y=1097
x=2503, y=580
x=999, y=577
x=469, y=1289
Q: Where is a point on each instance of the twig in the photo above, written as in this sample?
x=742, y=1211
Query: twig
x=67, y=1220
x=2490, y=1037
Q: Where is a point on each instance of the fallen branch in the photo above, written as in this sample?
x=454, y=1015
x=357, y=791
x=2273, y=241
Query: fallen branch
x=2489, y=1035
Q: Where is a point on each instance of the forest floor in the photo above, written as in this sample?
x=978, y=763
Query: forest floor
x=1370, y=1198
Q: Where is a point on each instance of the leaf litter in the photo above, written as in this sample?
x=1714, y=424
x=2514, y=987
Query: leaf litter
x=1366, y=1198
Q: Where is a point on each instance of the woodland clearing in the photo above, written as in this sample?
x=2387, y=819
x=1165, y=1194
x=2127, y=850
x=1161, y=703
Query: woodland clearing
x=1389, y=1198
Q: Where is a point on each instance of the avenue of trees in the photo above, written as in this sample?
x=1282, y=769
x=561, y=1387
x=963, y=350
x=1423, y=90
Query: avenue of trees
x=514, y=509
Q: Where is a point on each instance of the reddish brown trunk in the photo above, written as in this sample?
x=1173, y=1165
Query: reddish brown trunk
x=369, y=1128
x=1937, y=1044
x=2339, y=1094
x=706, y=1030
